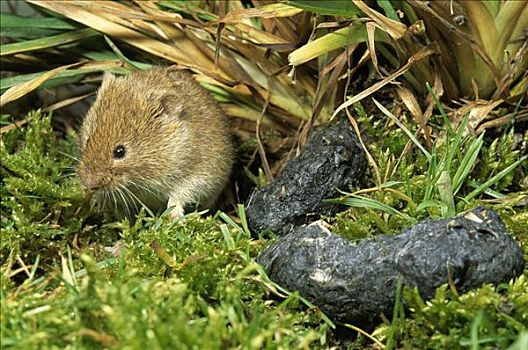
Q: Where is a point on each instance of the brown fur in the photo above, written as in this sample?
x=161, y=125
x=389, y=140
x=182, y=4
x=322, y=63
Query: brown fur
x=176, y=137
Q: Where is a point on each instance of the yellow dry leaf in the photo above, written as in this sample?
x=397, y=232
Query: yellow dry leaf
x=394, y=28
x=267, y=11
x=17, y=91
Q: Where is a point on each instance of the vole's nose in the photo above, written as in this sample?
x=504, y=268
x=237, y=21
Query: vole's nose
x=89, y=180
x=91, y=183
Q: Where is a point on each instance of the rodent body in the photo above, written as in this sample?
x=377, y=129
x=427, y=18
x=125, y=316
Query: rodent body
x=155, y=137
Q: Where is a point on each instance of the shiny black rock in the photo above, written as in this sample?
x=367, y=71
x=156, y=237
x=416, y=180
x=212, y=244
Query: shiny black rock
x=356, y=282
x=331, y=160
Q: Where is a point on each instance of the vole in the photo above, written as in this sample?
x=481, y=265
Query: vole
x=154, y=138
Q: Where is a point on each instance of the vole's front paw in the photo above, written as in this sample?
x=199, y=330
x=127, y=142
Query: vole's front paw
x=176, y=208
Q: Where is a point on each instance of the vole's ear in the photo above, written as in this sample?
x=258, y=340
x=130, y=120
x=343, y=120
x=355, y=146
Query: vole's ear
x=172, y=107
x=108, y=78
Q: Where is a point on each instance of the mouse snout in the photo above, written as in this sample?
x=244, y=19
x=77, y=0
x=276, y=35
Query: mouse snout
x=91, y=180
x=91, y=183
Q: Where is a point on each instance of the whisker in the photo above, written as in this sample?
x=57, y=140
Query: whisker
x=68, y=155
x=130, y=193
x=124, y=201
x=105, y=196
x=146, y=189
x=142, y=204
x=115, y=201
x=126, y=192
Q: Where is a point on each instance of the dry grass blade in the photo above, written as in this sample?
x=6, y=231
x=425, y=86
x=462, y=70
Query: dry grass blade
x=395, y=29
x=411, y=102
x=478, y=112
x=14, y=125
x=235, y=54
x=266, y=11
x=66, y=102
x=106, y=26
x=18, y=91
x=423, y=53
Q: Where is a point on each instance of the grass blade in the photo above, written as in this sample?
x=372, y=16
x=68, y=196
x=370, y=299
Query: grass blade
x=467, y=163
x=368, y=203
x=9, y=20
x=493, y=180
x=404, y=128
x=70, y=75
x=445, y=190
x=18, y=91
x=332, y=8
x=44, y=43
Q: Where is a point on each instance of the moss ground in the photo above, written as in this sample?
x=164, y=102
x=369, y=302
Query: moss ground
x=193, y=284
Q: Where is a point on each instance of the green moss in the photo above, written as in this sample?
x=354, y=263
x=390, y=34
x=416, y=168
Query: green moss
x=193, y=283
x=42, y=203
x=498, y=155
x=488, y=317
x=189, y=284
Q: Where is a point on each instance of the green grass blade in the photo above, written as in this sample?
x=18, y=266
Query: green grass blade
x=427, y=204
x=493, y=180
x=368, y=203
x=228, y=238
x=61, y=78
x=467, y=163
x=489, y=191
x=356, y=33
x=447, y=122
x=398, y=315
x=475, y=330
x=229, y=221
x=332, y=8
x=27, y=33
x=388, y=9
x=454, y=147
x=112, y=56
x=404, y=128
x=44, y=43
x=243, y=219
x=445, y=190
x=119, y=53
x=432, y=176
x=9, y=20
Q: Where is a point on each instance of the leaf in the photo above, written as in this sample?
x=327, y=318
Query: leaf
x=18, y=91
x=335, y=8
x=365, y=202
x=267, y=11
x=493, y=180
x=43, y=43
x=9, y=20
x=356, y=33
x=394, y=28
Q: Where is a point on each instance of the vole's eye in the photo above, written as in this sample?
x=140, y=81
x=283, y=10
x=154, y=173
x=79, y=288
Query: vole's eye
x=119, y=152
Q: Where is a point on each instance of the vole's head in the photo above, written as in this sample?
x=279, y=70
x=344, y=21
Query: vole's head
x=131, y=135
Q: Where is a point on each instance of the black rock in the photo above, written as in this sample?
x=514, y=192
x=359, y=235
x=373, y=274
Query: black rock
x=354, y=283
x=332, y=159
